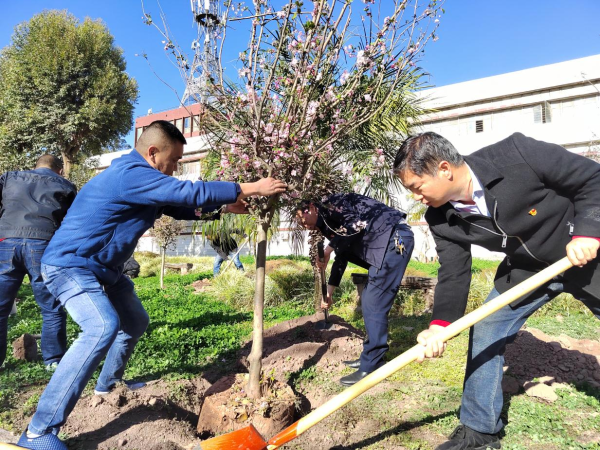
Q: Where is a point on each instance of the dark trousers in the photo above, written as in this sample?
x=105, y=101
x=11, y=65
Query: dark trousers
x=20, y=257
x=378, y=297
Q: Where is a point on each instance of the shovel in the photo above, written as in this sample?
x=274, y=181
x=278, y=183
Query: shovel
x=326, y=324
x=249, y=439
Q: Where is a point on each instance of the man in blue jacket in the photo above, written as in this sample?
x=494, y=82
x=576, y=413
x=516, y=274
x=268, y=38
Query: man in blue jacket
x=32, y=205
x=374, y=236
x=83, y=264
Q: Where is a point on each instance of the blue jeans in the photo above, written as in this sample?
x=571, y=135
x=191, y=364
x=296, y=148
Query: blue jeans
x=19, y=257
x=112, y=319
x=378, y=297
x=219, y=260
x=482, y=398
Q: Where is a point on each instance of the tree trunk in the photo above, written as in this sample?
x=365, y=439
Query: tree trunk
x=255, y=358
x=68, y=157
x=314, y=237
x=162, y=266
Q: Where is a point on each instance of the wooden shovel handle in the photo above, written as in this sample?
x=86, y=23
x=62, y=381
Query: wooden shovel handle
x=413, y=353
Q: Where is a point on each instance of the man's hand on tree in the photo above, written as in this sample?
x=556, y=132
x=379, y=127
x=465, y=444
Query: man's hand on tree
x=432, y=347
x=581, y=251
x=265, y=187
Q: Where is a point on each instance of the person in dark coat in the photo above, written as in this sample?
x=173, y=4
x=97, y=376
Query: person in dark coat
x=224, y=246
x=376, y=237
x=33, y=204
x=534, y=201
x=131, y=268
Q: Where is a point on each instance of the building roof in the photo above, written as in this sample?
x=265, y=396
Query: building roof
x=576, y=71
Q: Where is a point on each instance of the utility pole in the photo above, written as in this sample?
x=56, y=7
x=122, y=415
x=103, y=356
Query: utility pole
x=206, y=66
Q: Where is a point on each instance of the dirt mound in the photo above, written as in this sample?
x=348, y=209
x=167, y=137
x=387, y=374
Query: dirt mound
x=560, y=359
x=297, y=344
x=276, y=264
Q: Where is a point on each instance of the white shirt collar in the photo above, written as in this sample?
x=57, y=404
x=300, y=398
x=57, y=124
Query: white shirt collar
x=480, y=207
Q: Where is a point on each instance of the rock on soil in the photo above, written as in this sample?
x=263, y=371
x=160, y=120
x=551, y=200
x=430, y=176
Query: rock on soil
x=25, y=348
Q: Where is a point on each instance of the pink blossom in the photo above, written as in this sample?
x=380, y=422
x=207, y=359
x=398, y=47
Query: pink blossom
x=344, y=77
x=367, y=97
x=281, y=14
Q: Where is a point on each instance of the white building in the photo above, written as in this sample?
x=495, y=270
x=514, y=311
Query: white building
x=558, y=103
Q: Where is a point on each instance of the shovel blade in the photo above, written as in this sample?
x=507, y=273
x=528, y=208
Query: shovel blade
x=244, y=439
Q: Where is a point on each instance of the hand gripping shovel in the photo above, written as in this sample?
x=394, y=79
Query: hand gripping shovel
x=249, y=439
x=326, y=324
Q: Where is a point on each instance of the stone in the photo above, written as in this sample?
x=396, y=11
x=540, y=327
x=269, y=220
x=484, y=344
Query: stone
x=96, y=400
x=122, y=442
x=25, y=348
x=540, y=390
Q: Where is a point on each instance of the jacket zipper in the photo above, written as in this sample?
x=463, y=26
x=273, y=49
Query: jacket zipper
x=504, y=235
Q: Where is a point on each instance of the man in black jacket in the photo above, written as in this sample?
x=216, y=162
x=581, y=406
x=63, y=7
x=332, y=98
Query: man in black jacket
x=32, y=206
x=374, y=236
x=531, y=200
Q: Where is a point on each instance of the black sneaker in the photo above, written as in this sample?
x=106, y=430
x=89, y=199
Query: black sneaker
x=464, y=438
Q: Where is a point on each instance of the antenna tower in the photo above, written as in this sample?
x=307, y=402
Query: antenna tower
x=205, y=66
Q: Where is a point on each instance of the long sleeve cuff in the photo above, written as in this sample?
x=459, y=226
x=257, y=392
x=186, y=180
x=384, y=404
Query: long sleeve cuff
x=587, y=237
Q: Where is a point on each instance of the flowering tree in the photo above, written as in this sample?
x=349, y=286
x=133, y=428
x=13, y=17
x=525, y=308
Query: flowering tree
x=165, y=231
x=315, y=79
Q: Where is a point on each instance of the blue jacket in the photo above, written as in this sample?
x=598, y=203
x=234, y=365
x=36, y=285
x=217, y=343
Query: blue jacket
x=115, y=208
x=33, y=203
x=359, y=230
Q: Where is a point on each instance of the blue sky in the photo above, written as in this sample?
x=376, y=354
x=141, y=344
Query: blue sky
x=478, y=38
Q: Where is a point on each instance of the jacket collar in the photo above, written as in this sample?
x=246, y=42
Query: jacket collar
x=484, y=169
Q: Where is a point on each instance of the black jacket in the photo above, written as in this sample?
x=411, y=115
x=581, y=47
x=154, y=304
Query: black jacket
x=539, y=195
x=33, y=203
x=358, y=229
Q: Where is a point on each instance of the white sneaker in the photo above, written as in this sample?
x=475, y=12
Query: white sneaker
x=132, y=385
x=51, y=367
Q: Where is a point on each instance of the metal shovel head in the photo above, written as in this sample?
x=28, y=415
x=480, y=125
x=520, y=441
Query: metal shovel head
x=245, y=439
x=324, y=324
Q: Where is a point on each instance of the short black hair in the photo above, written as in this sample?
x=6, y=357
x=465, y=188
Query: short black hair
x=422, y=153
x=168, y=129
x=50, y=161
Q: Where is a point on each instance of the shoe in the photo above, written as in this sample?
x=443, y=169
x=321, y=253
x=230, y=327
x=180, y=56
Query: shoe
x=46, y=441
x=129, y=384
x=464, y=438
x=51, y=367
x=353, y=378
x=354, y=364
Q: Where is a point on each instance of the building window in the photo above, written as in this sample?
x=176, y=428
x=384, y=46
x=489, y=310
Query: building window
x=179, y=124
x=478, y=126
x=196, y=124
x=187, y=125
x=542, y=113
x=138, y=133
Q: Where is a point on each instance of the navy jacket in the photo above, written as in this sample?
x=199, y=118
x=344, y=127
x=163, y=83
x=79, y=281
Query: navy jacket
x=115, y=208
x=33, y=203
x=539, y=195
x=359, y=230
